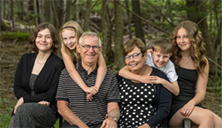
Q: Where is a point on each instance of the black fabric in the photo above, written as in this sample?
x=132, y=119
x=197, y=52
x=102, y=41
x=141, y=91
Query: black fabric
x=46, y=83
x=187, y=83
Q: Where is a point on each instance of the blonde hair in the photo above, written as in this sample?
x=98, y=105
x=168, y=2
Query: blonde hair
x=73, y=26
x=197, y=51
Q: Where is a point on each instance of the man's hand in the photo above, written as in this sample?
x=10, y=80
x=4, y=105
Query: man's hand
x=19, y=102
x=109, y=123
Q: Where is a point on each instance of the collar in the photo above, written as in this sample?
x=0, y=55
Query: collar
x=81, y=69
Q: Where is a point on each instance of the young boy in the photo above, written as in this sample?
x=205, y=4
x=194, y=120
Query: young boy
x=158, y=57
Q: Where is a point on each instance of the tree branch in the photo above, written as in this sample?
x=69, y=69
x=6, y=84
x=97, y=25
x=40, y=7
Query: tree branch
x=160, y=14
x=145, y=20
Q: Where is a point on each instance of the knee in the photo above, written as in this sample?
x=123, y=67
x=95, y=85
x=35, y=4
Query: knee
x=208, y=117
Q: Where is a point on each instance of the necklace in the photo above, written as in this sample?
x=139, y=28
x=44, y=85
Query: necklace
x=39, y=62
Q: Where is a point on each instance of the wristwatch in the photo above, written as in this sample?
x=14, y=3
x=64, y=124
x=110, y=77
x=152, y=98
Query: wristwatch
x=114, y=118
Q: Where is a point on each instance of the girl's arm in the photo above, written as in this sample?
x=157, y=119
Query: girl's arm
x=100, y=76
x=200, y=92
x=73, y=73
x=101, y=71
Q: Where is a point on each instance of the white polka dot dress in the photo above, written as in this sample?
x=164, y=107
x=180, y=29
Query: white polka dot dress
x=137, y=103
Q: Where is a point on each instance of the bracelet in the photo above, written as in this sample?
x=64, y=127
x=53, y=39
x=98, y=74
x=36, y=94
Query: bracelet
x=114, y=118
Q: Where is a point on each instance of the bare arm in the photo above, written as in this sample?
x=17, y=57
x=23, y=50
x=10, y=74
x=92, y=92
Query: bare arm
x=125, y=72
x=173, y=87
x=113, y=112
x=73, y=73
x=200, y=92
x=68, y=115
x=201, y=86
x=101, y=71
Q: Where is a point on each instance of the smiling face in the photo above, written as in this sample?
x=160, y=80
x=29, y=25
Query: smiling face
x=44, y=40
x=69, y=38
x=136, y=65
x=182, y=40
x=160, y=59
x=89, y=56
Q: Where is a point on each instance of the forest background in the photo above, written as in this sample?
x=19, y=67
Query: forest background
x=116, y=21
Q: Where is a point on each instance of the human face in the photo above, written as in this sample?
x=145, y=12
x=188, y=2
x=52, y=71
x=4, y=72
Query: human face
x=44, y=40
x=160, y=59
x=89, y=55
x=135, y=65
x=69, y=38
x=183, y=42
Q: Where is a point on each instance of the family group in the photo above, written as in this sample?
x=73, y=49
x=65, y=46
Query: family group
x=158, y=87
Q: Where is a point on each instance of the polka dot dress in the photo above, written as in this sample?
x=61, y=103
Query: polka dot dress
x=137, y=103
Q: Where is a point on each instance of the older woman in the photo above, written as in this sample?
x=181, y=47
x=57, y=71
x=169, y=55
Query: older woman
x=142, y=104
x=36, y=81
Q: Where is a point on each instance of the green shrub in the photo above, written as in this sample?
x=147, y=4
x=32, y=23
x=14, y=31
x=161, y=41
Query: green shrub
x=20, y=36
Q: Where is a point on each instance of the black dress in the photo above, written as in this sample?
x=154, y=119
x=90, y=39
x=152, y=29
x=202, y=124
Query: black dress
x=187, y=83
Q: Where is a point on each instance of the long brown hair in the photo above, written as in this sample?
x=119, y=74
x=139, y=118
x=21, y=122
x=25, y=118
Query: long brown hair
x=197, y=51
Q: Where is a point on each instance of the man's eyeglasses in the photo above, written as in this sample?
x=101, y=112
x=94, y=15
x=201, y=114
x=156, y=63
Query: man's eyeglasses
x=135, y=56
x=87, y=47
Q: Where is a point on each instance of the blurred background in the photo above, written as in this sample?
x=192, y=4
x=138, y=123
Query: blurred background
x=115, y=21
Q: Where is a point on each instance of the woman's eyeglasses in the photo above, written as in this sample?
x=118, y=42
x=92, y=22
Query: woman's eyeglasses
x=135, y=56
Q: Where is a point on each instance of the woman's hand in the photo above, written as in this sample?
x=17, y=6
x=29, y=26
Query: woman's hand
x=46, y=103
x=187, y=109
x=19, y=102
x=144, y=126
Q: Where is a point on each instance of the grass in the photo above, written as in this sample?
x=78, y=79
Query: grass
x=6, y=109
x=20, y=36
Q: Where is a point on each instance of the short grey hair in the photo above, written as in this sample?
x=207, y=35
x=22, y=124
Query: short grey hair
x=89, y=34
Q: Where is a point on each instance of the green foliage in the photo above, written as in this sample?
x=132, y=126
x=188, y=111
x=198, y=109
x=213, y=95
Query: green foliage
x=5, y=115
x=15, y=35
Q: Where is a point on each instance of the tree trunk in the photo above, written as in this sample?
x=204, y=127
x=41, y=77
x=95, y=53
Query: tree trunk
x=87, y=15
x=199, y=17
x=118, y=37
x=69, y=2
x=40, y=11
x=46, y=11
x=106, y=34
x=35, y=12
x=12, y=16
x=129, y=19
x=1, y=17
x=77, y=11
x=137, y=21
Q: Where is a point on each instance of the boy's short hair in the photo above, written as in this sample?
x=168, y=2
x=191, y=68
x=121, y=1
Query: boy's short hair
x=162, y=45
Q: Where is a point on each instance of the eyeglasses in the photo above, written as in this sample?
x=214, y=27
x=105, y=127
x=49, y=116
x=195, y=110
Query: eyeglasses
x=87, y=47
x=135, y=56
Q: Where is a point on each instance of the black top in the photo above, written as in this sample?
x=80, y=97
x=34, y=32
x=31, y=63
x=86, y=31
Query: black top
x=90, y=112
x=187, y=83
x=46, y=83
x=144, y=103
